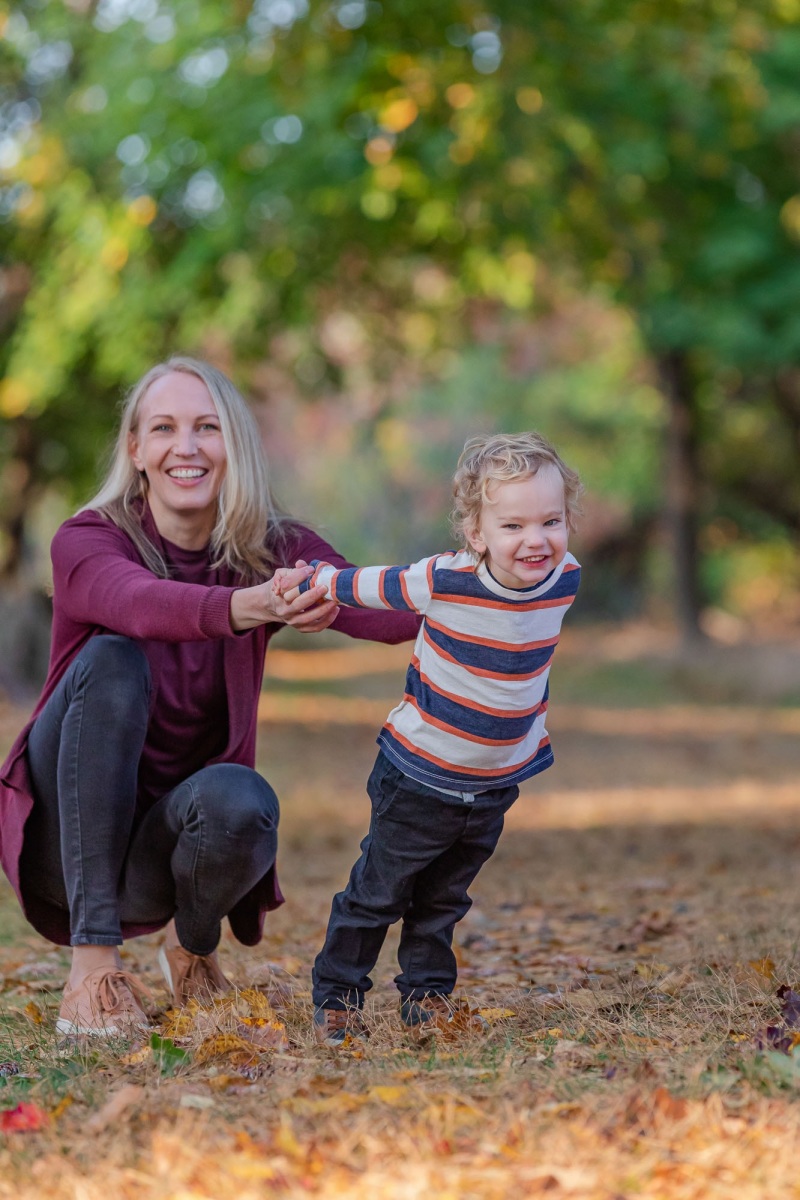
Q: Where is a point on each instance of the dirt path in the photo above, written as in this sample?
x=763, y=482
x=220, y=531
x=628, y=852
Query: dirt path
x=626, y=944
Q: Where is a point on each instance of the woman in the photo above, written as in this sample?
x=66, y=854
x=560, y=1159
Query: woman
x=130, y=801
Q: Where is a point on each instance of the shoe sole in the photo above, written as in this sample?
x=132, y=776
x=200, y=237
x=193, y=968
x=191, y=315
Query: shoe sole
x=71, y=1029
x=163, y=963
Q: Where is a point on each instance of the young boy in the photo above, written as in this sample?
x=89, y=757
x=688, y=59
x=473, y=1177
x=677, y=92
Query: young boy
x=469, y=729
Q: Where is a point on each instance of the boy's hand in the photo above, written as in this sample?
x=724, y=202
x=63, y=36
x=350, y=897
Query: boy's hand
x=280, y=599
x=286, y=583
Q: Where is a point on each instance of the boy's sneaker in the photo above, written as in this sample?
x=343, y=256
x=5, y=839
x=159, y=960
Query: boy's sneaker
x=335, y=1026
x=440, y=1014
x=425, y=1017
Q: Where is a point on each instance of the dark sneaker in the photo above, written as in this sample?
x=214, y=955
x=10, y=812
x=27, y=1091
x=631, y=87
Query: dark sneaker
x=441, y=1014
x=338, y=1027
x=425, y=1017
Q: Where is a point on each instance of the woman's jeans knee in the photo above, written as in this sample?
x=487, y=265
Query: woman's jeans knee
x=193, y=855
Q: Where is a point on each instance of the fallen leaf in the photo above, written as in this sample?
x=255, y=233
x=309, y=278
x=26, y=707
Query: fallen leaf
x=64, y=1103
x=193, y=1100
x=496, y=1014
x=267, y=1034
x=34, y=1013
x=220, y=1044
x=25, y=1118
x=764, y=966
x=114, y=1107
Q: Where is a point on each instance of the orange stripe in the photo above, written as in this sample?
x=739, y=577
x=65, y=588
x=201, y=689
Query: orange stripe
x=429, y=574
x=402, y=579
x=471, y=639
x=479, y=773
x=505, y=605
x=354, y=585
x=382, y=588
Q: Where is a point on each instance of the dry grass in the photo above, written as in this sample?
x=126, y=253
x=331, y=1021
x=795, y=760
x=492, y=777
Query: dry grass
x=625, y=944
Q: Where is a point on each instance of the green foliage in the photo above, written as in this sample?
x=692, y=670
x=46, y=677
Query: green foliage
x=351, y=205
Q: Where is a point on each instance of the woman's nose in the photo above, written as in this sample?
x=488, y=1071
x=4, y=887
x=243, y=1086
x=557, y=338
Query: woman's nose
x=184, y=442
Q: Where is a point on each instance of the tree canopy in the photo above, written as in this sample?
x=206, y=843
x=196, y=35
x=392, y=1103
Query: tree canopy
x=353, y=205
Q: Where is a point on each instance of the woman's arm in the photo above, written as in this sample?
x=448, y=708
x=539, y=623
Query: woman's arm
x=98, y=579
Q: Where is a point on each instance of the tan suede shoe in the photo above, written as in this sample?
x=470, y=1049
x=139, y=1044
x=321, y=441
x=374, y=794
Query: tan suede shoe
x=106, y=1004
x=191, y=976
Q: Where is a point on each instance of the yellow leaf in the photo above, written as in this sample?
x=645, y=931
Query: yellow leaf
x=258, y=1003
x=135, y=1057
x=394, y=1096
x=62, y=1106
x=496, y=1014
x=223, y=1043
x=34, y=1013
x=651, y=971
x=763, y=966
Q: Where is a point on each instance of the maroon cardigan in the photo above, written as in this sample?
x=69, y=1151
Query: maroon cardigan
x=100, y=585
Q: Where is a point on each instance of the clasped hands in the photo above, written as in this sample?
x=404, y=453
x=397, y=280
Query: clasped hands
x=280, y=600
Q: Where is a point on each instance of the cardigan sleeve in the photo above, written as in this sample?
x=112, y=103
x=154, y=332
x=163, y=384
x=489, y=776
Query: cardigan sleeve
x=98, y=579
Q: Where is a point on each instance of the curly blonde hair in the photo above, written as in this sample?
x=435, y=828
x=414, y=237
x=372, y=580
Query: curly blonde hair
x=499, y=458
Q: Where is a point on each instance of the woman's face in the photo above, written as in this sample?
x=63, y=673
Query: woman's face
x=178, y=444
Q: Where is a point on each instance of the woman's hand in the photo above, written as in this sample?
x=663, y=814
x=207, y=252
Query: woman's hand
x=265, y=603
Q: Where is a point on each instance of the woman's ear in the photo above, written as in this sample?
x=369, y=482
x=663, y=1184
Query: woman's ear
x=133, y=450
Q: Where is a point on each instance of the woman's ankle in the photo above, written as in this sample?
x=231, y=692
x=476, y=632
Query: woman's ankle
x=90, y=958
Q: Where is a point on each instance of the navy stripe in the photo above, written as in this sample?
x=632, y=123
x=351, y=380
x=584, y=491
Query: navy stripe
x=460, y=718
x=392, y=590
x=465, y=583
x=420, y=769
x=344, y=587
x=489, y=658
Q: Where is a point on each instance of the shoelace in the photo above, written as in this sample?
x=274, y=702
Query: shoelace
x=200, y=972
x=116, y=989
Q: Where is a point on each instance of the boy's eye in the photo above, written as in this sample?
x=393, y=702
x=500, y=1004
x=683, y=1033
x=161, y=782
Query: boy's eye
x=553, y=521
x=510, y=525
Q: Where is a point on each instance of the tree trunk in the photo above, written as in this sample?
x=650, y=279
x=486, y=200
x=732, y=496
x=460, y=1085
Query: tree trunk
x=683, y=487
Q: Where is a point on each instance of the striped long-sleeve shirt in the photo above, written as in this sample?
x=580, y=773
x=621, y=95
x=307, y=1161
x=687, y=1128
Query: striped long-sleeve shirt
x=473, y=713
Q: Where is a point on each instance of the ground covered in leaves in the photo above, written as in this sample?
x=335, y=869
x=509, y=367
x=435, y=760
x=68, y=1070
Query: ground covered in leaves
x=632, y=951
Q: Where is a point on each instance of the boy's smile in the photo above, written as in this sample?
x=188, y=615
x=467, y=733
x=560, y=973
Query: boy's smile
x=523, y=529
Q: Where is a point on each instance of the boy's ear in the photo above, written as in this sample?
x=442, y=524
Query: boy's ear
x=475, y=540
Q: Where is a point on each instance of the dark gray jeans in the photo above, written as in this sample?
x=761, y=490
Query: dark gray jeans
x=422, y=852
x=192, y=856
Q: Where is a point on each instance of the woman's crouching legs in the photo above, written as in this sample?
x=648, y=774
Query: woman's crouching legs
x=199, y=850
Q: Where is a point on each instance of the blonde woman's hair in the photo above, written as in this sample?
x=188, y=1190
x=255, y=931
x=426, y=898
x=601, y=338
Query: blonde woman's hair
x=249, y=524
x=499, y=458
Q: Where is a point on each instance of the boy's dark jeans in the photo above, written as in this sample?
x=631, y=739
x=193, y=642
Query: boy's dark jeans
x=193, y=855
x=422, y=852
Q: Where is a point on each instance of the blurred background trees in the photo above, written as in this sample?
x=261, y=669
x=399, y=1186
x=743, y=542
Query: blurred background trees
x=400, y=224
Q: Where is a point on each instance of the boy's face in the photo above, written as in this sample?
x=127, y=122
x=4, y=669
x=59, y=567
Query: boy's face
x=523, y=528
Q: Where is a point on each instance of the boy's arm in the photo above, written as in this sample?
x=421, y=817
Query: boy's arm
x=406, y=589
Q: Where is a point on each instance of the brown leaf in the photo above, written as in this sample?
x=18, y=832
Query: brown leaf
x=264, y=1033
x=114, y=1107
